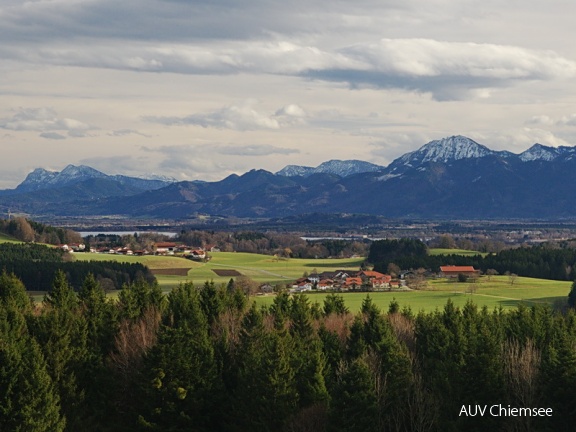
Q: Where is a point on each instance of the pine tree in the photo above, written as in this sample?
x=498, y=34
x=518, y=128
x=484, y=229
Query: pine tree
x=572, y=296
x=354, y=404
x=62, y=295
x=264, y=396
x=28, y=398
x=99, y=315
x=61, y=330
x=12, y=290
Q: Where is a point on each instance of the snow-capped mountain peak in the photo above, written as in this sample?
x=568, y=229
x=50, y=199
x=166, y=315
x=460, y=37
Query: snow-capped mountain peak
x=445, y=150
x=342, y=168
x=42, y=179
x=296, y=170
x=539, y=152
x=81, y=171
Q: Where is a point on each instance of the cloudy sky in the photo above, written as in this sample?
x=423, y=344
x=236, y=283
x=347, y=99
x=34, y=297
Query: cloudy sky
x=200, y=89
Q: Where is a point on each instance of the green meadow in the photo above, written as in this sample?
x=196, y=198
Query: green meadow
x=5, y=238
x=464, y=252
x=261, y=268
x=494, y=292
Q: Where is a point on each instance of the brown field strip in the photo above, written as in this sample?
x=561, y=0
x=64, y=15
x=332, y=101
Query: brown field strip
x=227, y=273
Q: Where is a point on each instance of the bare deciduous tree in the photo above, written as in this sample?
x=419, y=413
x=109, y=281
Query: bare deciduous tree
x=422, y=407
x=522, y=369
x=133, y=340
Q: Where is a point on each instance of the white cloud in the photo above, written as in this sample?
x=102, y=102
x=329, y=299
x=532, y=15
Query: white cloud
x=316, y=72
x=566, y=120
x=46, y=121
x=569, y=120
x=447, y=70
x=518, y=140
x=238, y=117
x=540, y=120
x=119, y=164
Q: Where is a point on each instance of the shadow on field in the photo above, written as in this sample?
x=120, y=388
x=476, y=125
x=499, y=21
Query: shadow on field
x=335, y=264
x=544, y=301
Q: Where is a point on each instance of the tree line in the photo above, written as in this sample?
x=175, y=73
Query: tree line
x=270, y=243
x=30, y=231
x=541, y=261
x=36, y=265
x=204, y=358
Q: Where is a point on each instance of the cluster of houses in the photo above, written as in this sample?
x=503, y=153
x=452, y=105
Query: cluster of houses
x=368, y=280
x=346, y=280
x=160, y=248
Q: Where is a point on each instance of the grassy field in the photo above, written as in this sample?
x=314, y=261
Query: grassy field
x=261, y=268
x=5, y=238
x=493, y=292
x=464, y=252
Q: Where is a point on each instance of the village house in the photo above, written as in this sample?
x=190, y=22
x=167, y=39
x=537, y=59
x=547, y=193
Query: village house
x=164, y=248
x=266, y=288
x=325, y=284
x=452, y=271
x=302, y=284
x=196, y=254
x=353, y=283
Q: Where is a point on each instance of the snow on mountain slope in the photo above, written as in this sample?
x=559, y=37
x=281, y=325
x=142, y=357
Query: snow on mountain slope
x=545, y=153
x=43, y=179
x=338, y=167
x=445, y=150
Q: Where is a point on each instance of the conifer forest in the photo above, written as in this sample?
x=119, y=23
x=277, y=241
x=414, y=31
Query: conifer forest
x=204, y=358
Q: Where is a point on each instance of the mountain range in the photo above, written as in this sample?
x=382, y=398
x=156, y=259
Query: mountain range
x=450, y=178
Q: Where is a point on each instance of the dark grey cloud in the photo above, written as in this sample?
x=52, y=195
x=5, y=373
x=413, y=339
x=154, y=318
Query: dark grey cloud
x=184, y=21
x=253, y=150
x=52, y=135
x=124, y=132
x=297, y=38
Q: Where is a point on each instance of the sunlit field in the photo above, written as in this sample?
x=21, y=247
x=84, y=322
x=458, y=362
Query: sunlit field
x=261, y=268
x=493, y=292
x=496, y=293
x=464, y=252
x=5, y=238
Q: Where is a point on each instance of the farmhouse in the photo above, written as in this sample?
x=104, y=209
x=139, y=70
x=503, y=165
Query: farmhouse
x=453, y=271
x=196, y=254
x=353, y=282
x=164, y=248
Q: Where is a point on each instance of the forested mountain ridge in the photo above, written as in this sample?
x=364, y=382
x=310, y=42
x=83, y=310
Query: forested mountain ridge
x=452, y=178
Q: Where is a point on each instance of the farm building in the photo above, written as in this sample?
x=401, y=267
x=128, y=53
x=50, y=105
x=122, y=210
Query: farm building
x=452, y=271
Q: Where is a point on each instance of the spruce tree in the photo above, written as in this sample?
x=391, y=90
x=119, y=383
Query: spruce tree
x=61, y=296
x=29, y=400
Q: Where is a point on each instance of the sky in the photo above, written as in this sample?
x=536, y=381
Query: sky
x=201, y=89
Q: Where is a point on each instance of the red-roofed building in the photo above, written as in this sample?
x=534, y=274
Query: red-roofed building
x=370, y=274
x=452, y=271
x=164, y=248
x=353, y=282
